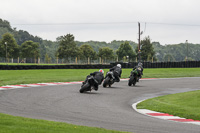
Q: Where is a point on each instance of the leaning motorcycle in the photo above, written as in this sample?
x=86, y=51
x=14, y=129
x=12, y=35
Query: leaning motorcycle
x=89, y=85
x=133, y=78
x=109, y=79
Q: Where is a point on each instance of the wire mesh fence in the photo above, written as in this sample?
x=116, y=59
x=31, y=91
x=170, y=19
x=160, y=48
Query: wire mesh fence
x=55, y=61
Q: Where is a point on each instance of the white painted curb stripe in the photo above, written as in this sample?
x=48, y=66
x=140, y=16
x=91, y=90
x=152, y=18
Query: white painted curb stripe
x=9, y=87
x=66, y=83
x=164, y=116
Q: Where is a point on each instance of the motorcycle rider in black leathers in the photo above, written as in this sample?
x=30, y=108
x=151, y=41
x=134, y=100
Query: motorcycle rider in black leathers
x=139, y=69
x=117, y=72
x=98, y=76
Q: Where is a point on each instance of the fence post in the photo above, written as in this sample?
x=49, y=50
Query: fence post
x=76, y=60
x=18, y=60
x=38, y=60
x=99, y=60
x=88, y=60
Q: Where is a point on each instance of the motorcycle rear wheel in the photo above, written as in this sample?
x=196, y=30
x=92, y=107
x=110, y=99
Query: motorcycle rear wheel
x=134, y=81
x=130, y=81
x=105, y=83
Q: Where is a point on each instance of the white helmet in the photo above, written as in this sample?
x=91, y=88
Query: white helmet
x=119, y=65
x=140, y=64
x=101, y=70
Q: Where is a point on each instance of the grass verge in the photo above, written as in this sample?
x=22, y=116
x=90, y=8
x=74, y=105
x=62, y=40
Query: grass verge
x=14, y=124
x=12, y=77
x=184, y=105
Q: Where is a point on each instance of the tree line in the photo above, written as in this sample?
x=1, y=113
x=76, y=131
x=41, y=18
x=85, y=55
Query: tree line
x=68, y=49
x=20, y=43
x=10, y=49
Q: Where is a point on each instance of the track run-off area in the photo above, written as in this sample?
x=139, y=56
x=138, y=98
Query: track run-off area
x=109, y=108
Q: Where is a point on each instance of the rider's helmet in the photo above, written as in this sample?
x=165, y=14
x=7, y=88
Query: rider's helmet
x=139, y=64
x=101, y=70
x=119, y=65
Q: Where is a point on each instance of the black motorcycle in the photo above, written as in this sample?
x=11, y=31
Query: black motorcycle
x=89, y=85
x=133, y=78
x=109, y=79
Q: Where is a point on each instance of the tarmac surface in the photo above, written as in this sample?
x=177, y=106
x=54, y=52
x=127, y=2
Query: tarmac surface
x=109, y=108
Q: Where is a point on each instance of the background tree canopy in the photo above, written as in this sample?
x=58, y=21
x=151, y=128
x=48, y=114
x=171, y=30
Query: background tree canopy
x=9, y=45
x=125, y=50
x=67, y=47
x=30, y=49
x=64, y=44
x=86, y=51
x=147, y=50
x=106, y=53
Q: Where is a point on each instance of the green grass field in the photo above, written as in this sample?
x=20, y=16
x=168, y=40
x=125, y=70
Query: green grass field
x=9, y=124
x=186, y=105
x=12, y=77
x=13, y=124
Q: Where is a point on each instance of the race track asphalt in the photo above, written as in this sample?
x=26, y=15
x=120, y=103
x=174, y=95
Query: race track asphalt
x=109, y=108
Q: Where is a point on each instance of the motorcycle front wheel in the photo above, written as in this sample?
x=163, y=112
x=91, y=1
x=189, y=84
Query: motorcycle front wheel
x=84, y=88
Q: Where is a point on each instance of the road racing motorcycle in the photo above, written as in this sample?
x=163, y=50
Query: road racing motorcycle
x=133, y=78
x=109, y=79
x=89, y=85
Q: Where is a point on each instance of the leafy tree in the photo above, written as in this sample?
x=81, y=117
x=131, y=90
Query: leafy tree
x=9, y=46
x=5, y=24
x=30, y=49
x=67, y=47
x=147, y=50
x=159, y=50
x=22, y=36
x=47, y=59
x=49, y=48
x=106, y=53
x=189, y=59
x=3, y=31
x=168, y=58
x=86, y=51
x=96, y=44
x=125, y=50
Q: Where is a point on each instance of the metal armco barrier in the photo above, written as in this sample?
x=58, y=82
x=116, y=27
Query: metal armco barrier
x=184, y=64
x=26, y=67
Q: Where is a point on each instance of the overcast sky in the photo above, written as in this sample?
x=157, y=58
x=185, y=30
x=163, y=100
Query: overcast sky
x=165, y=21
